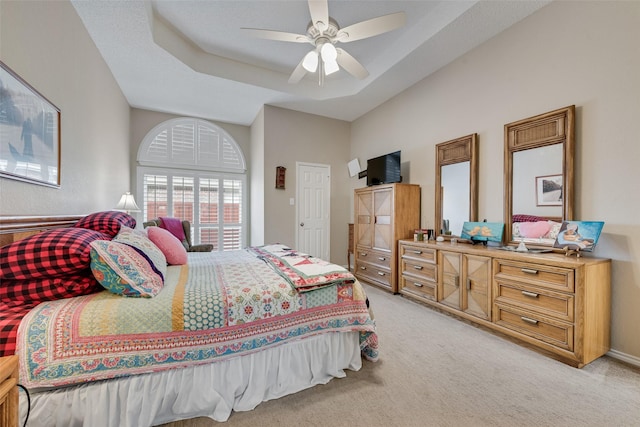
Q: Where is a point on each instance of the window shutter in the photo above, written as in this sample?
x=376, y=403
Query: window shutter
x=188, y=169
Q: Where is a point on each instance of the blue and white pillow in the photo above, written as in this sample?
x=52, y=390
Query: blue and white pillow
x=122, y=270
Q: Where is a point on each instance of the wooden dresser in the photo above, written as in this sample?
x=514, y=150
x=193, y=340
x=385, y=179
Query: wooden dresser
x=383, y=215
x=9, y=391
x=558, y=304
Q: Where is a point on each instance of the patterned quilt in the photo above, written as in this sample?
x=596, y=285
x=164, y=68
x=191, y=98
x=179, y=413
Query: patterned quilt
x=218, y=306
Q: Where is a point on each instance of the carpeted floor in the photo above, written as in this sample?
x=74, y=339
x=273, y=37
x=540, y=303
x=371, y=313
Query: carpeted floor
x=435, y=370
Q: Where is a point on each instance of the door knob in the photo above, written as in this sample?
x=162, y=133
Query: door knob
x=302, y=224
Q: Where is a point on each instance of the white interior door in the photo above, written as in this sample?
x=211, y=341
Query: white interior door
x=313, y=188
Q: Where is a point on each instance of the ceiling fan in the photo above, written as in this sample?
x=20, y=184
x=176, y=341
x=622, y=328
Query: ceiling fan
x=323, y=32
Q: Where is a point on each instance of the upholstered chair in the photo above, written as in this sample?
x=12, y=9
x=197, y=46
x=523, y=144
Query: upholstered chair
x=185, y=238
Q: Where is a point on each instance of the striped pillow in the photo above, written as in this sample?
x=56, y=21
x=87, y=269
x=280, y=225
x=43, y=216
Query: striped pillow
x=122, y=270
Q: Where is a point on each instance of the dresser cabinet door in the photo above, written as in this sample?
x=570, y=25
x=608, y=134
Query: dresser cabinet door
x=476, y=295
x=450, y=277
x=383, y=212
x=364, y=219
x=465, y=283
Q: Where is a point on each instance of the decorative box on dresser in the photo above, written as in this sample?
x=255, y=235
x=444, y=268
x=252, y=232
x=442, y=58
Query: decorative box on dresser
x=384, y=214
x=9, y=391
x=555, y=303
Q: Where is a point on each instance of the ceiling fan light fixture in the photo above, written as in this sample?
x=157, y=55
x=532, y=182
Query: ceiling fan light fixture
x=328, y=52
x=329, y=58
x=323, y=32
x=310, y=61
x=330, y=67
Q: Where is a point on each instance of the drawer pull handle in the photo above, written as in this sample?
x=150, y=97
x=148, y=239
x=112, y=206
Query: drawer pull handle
x=418, y=267
x=418, y=284
x=529, y=271
x=363, y=268
x=417, y=252
x=363, y=254
x=469, y=284
x=380, y=273
x=530, y=294
x=381, y=258
x=454, y=281
x=528, y=320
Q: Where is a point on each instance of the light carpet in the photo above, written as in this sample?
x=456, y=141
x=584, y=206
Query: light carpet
x=435, y=370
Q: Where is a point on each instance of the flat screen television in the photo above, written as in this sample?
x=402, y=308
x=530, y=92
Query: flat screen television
x=384, y=169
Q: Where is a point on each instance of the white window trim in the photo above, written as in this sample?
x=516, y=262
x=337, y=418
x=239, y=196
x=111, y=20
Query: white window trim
x=196, y=170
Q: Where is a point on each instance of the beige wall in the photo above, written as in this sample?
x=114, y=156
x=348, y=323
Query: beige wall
x=47, y=45
x=582, y=53
x=291, y=137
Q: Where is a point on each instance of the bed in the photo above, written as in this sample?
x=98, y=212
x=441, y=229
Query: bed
x=102, y=344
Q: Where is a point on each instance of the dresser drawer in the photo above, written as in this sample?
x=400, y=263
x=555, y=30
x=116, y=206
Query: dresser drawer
x=419, y=269
x=540, y=275
x=420, y=287
x=554, y=332
x=417, y=252
x=543, y=301
x=372, y=272
x=379, y=258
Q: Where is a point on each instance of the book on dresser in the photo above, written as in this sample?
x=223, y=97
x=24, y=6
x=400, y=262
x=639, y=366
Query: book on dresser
x=554, y=303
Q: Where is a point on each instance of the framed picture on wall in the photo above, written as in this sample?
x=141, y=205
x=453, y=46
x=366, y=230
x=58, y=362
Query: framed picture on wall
x=549, y=190
x=29, y=132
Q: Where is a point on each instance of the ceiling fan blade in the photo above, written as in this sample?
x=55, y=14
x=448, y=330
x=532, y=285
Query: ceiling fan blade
x=277, y=35
x=371, y=27
x=351, y=65
x=298, y=73
x=319, y=10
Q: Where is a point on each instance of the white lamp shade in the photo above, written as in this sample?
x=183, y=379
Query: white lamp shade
x=310, y=61
x=127, y=203
x=329, y=57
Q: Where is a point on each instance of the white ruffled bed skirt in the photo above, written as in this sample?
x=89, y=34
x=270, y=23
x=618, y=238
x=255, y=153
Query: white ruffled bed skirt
x=212, y=390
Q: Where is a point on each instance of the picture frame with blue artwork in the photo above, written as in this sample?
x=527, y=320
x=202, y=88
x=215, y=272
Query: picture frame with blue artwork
x=482, y=232
x=579, y=235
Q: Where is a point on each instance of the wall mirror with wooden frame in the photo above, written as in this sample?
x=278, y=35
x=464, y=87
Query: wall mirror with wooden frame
x=456, y=184
x=538, y=176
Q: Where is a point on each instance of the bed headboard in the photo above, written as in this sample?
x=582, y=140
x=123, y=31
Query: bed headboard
x=14, y=228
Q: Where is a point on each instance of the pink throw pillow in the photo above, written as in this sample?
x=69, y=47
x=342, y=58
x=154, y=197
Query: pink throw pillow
x=534, y=230
x=169, y=244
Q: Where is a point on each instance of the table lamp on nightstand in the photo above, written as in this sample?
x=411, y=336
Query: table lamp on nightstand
x=127, y=203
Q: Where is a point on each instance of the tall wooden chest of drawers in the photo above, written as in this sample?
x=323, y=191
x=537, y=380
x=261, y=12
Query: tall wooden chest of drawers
x=383, y=215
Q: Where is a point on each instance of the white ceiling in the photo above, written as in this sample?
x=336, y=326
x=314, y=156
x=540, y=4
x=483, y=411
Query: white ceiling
x=192, y=58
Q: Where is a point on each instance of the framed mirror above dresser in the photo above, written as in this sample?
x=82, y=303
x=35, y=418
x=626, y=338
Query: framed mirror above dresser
x=456, y=184
x=539, y=176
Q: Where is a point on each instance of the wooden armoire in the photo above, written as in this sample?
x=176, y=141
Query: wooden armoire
x=384, y=214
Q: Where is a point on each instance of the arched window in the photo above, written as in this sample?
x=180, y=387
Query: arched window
x=194, y=170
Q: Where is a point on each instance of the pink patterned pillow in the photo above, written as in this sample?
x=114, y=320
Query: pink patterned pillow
x=534, y=230
x=169, y=244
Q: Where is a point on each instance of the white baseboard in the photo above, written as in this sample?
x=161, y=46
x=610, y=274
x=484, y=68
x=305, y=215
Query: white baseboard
x=623, y=357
